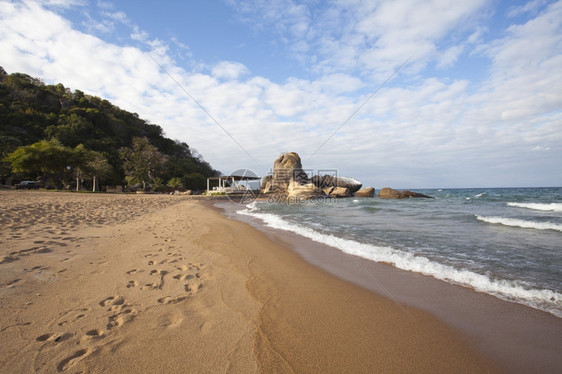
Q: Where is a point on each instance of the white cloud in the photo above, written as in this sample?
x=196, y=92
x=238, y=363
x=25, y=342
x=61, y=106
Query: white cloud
x=529, y=7
x=64, y=4
x=366, y=37
x=229, y=70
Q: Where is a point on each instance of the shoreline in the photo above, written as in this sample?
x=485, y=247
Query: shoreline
x=145, y=283
x=521, y=338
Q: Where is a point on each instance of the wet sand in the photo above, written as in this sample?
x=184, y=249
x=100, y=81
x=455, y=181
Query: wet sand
x=153, y=283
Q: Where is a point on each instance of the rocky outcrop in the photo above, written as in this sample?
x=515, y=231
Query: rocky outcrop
x=266, y=184
x=286, y=168
x=389, y=193
x=296, y=191
x=290, y=180
x=324, y=181
x=337, y=192
x=365, y=192
x=407, y=194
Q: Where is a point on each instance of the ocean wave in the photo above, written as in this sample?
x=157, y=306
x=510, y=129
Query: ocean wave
x=513, y=291
x=514, y=222
x=552, y=207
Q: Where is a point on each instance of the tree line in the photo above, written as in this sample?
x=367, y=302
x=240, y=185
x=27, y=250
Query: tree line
x=67, y=139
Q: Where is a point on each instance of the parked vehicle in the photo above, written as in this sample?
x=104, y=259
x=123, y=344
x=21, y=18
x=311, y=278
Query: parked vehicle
x=27, y=185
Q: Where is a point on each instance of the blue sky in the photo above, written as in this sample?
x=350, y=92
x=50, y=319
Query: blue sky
x=478, y=102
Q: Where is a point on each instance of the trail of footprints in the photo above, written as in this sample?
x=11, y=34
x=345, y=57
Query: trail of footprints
x=169, y=277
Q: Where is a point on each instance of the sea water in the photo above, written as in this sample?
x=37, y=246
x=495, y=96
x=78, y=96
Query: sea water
x=506, y=242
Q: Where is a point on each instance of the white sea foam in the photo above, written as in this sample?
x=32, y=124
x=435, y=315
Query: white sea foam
x=481, y=194
x=553, y=207
x=514, y=291
x=514, y=222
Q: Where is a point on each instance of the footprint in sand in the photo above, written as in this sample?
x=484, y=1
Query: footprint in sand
x=70, y=361
x=182, y=277
x=112, y=300
x=97, y=333
x=44, y=337
x=152, y=286
x=11, y=283
x=123, y=311
x=132, y=283
x=38, y=269
x=6, y=259
x=132, y=271
x=171, y=300
x=171, y=321
x=54, y=338
x=193, y=287
x=72, y=315
x=119, y=319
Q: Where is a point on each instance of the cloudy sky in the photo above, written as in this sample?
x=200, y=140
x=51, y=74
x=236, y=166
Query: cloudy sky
x=400, y=93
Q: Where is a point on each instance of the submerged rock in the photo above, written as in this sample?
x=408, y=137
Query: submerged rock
x=390, y=193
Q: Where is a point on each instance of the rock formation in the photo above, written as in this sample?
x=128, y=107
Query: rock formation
x=297, y=191
x=287, y=167
x=323, y=181
x=365, y=192
x=389, y=193
x=337, y=191
x=289, y=179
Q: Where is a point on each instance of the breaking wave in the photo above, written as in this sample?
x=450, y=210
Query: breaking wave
x=552, y=207
x=514, y=291
x=514, y=222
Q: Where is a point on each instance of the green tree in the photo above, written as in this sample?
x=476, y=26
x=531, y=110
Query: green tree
x=175, y=183
x=142, y=161
x=194, y=181
x=71, y=130
x=88, y=163
x=97, y=167
x=46, y=157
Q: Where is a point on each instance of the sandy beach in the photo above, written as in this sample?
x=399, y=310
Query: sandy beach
x=102, y=283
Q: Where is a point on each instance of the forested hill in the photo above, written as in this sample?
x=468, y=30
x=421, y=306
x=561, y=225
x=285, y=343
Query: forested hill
x=34, y=113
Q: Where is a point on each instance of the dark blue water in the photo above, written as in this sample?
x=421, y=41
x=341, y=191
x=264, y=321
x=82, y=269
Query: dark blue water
x=506, y=242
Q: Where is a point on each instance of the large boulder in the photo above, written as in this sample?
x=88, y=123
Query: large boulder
x=286, y=168
x=337, y=192
x=407, y=194
x=297, y=191
x=352, y=184
x=325, y=181
x=389, y=193
x=365, y=192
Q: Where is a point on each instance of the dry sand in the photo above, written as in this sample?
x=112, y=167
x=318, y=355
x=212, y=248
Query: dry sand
x=152, y=283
